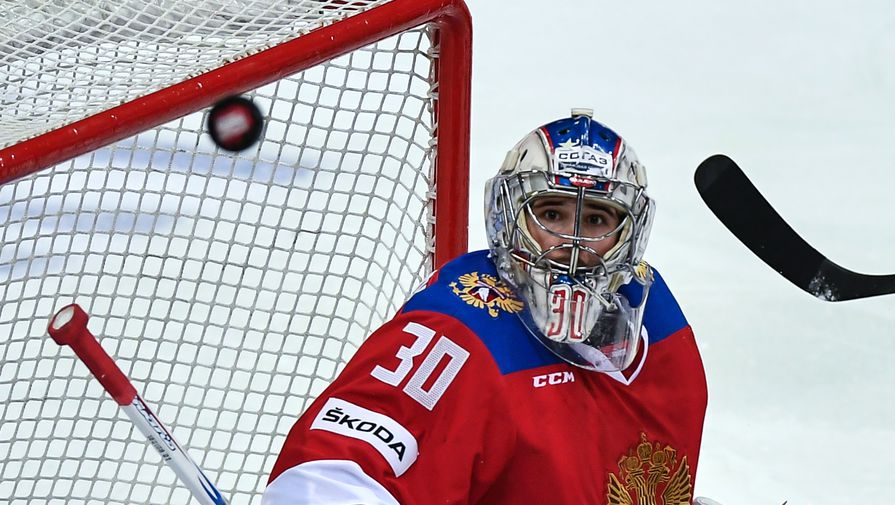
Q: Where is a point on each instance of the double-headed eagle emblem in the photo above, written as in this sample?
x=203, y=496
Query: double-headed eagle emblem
x=488, y=292
x=652, y=474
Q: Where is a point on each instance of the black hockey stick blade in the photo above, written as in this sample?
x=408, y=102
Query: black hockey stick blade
x=741, y=208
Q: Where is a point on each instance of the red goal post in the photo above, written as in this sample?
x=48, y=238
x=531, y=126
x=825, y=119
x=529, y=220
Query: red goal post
x=231, y=287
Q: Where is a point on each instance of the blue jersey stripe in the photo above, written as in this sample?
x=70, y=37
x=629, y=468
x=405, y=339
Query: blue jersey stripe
x=511, y=346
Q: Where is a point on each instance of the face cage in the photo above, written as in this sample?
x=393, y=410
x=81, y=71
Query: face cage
x=621, y=261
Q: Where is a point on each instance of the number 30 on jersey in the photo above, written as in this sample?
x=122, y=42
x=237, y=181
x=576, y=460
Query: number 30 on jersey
x=444, y=347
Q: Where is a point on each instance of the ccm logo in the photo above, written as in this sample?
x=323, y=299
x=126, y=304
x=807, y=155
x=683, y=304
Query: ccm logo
x=552, y=379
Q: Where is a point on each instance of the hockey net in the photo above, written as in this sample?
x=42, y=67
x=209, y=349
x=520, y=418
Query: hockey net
x=230, y=287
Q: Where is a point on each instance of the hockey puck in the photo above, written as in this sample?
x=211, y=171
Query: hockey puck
x=235, y=123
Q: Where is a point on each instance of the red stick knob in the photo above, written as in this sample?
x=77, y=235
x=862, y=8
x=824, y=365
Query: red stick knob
x=69, y=327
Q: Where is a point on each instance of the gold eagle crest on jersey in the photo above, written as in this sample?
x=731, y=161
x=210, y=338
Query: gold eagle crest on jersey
x=650, y=475
x=486, y=292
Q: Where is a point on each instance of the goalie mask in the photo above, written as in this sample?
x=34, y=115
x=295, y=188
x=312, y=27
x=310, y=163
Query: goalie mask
x=568, y=219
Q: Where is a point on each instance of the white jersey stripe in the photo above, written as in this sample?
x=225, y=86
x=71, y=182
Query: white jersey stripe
x=333, y=482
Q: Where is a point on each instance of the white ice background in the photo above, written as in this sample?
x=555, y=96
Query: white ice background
x=802, y=95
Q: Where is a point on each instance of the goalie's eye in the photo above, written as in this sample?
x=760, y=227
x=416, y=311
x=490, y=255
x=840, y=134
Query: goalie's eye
x=599, y=220
x=551, y=215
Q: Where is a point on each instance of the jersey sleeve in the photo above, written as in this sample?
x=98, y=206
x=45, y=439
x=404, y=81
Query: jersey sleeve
x=416, y=414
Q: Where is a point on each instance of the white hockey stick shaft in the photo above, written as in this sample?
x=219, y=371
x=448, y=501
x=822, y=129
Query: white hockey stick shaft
x=69, y=327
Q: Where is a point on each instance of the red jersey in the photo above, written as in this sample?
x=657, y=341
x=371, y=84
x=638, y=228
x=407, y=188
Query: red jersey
x=454, y=402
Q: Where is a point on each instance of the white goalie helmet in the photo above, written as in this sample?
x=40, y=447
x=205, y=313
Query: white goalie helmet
x=570, y=281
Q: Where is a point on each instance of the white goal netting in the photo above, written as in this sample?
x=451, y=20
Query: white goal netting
x=230, y=288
